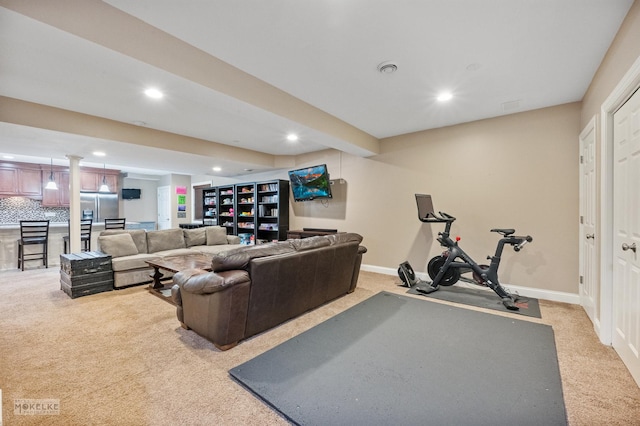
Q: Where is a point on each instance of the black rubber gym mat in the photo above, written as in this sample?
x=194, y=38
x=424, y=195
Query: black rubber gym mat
x=397, y=360
x=482, y=298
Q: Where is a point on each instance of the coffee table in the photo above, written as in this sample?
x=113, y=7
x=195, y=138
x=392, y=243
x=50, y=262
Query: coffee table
x=175, y=264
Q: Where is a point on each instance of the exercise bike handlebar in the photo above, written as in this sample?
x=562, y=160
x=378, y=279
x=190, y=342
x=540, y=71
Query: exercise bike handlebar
x=525, y=240
x=432, y=217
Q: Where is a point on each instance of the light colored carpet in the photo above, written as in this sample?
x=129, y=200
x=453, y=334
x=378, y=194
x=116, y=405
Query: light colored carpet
x=122, y=358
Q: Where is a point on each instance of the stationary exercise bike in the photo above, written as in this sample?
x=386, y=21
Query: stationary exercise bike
x=446, y=270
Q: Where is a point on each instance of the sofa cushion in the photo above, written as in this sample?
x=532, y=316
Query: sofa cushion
x=139, y=237
x=174, y=252
x=216, y=235
x=165, y=239
x=212, y=249
x=233, y=239
x=135, y=261
x=309, y=243
x=344, y=237
x=118, y=245
x=195, y=237
x=239, y=258
x=192, y=281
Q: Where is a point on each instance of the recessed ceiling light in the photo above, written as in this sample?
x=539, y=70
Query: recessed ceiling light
x=444, y=96
x=291, y=137
x=8, y=157
x=216, y=169
x=154, y=93
x=99, y=153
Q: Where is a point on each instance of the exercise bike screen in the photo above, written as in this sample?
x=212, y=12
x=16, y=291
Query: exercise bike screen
x=425, y=206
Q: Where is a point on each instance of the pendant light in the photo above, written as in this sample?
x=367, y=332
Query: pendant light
x=52, y=183
x=104, y=187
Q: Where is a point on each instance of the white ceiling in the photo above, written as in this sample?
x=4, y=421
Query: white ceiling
x=496, y=56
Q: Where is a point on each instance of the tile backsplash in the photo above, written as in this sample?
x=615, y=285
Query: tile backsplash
x=15, y=209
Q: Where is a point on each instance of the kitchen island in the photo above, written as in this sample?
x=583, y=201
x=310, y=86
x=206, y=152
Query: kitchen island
x=10, y=234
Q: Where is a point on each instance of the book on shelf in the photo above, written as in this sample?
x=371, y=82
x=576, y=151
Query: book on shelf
x=271, y=187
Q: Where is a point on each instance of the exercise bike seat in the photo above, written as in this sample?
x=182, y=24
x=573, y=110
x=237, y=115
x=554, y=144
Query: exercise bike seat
x=506, y=232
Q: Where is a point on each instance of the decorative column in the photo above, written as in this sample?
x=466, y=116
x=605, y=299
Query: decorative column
x=74, y=203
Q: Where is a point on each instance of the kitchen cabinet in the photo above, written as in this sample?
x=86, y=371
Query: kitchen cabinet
x=20, y=180
x=56, y=197
x=91, y=179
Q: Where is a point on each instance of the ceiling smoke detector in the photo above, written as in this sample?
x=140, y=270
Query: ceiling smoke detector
x=387, y=67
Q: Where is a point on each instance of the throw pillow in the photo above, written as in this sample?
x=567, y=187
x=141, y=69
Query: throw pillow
x=117, y=245
x=195, y=237
x=216, y=235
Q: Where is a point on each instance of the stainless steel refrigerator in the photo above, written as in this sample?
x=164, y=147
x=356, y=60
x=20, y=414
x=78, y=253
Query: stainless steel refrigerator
x=98, y=206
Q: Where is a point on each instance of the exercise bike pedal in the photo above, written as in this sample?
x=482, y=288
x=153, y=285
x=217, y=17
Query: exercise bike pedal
x=509, y=303
x=425, y=287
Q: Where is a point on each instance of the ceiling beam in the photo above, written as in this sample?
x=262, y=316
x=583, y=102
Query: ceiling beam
x=108, y=26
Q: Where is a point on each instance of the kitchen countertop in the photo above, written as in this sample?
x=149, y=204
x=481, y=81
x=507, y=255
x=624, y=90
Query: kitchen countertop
x=17, y=225
x=56, y=225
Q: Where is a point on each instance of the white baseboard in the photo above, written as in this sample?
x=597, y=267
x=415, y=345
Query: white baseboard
x=556, y=296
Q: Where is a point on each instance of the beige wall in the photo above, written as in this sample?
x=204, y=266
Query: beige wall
x=623, y=52
x=144, y=209
x=518, y=171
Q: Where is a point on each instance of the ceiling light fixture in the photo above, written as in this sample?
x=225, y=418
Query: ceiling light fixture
x=52, y=183
x=104, y=187
x=216, y=169
x=444, y=96
x=292, y=137
x=98, y=153
x=387, y=67
x=154, y=93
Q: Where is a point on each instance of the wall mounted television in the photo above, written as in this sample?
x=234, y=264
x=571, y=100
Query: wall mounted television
x=130, y=193
x=310, y=183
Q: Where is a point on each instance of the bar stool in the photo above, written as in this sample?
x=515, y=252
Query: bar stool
x=33, y=232
x=114, y=223
x=85, y=235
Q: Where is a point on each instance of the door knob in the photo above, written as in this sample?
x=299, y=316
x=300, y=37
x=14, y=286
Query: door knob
x=631, y=247
x=589, y=236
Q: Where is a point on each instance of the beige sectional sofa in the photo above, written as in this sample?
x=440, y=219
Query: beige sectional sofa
x=130, y=248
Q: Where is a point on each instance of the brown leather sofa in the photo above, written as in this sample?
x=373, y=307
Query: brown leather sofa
x=254, y=288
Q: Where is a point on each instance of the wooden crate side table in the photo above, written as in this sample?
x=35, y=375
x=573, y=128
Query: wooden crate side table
x=82, y=274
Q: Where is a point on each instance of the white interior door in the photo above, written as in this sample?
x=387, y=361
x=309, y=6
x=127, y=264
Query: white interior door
x=164, y=207
x=589, y=288
x=626, y=235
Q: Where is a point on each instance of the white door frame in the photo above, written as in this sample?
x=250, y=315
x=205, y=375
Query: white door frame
x=623, y=91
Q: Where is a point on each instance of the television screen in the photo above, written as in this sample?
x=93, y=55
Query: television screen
x=130, y=193
x=310, y=183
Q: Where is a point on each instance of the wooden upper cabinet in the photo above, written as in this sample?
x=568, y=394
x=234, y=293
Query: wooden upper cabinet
x=91, y=179
x=20, y=179
x=56, y=197
x=8, y=181
x=29, y=180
